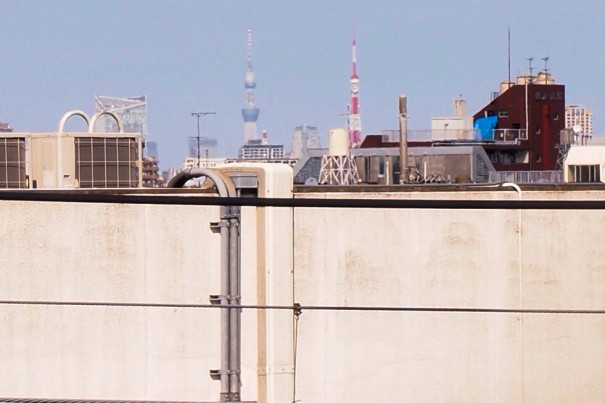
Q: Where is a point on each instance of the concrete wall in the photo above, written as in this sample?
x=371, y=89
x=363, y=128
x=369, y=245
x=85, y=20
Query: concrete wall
x=450, y=259
x=115, y=253
x=342, y=257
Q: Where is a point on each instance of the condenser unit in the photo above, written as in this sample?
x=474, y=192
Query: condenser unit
x=86, y=160
x=13, y=162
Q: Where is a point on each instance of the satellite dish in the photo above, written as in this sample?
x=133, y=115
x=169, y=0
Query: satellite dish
x=576, y=129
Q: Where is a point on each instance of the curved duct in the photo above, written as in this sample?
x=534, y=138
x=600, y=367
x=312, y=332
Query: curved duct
x=229, y=373
x=75, y=112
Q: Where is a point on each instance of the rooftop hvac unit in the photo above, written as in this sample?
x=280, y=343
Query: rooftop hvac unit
x=13, y=172
x=85, y=160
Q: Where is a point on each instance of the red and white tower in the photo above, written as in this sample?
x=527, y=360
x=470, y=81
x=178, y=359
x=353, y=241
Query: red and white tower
x=354, y=118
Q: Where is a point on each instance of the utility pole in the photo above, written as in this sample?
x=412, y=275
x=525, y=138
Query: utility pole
x=198, y=114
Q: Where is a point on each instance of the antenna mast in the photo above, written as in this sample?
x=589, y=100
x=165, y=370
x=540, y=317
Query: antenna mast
x=531, y=70
x=354, y=118
x=508, y=57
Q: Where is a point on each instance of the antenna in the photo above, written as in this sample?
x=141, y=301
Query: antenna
x=531, y=70
x=198, y=137
x=545, y=64
x=508, y=57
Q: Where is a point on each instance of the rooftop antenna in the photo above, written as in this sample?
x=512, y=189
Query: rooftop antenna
x=198, y=137
x=508, y=57
x=531, y=70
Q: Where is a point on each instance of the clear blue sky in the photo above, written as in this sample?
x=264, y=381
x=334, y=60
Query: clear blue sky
x=189, y=56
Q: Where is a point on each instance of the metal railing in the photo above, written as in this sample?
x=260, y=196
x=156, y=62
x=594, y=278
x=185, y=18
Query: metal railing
x=526, y=176
x=497, y=135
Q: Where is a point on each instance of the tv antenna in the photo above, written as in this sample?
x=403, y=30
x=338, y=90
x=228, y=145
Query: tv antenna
x=198, y=114
x=531, y=70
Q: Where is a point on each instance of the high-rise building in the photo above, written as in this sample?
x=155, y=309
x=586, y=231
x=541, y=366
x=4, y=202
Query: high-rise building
x=303, y=138
x=132, y=111
x=250, y=112
x=579, y=119
x=208, y=147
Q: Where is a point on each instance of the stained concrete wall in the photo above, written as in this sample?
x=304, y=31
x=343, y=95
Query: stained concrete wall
x=451, y=259
x=342, y=257
x=115, y=253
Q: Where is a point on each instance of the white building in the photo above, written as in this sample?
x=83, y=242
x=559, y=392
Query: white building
x=304, y=137
x=580, y=118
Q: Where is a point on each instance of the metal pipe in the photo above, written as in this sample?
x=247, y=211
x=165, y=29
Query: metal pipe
x=235, y=299
x=403, y=139
x=224, y=300
x=229, y=230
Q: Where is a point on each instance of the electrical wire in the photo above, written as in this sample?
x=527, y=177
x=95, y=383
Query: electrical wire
x=298, y=308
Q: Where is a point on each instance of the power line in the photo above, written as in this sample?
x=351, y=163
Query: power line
x=298, y=308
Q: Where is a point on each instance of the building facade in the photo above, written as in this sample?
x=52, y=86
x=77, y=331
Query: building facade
x=132, y=111
x=208, y=148
x=579, y=119
x=522, y=124
x=258, y=150
x=304, y=137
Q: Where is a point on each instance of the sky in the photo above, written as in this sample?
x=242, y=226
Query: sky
x=190, y=56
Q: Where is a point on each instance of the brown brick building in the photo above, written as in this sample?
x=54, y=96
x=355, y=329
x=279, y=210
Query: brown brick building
x=528, y=117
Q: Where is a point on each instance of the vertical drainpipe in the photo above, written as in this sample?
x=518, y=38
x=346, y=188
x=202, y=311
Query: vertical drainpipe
x=234, y=299
x=403, y=139
x=546, y=146
x=229, y=374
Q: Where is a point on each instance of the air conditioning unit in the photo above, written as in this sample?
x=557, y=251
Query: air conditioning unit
x=13, y=162
x=85, y=160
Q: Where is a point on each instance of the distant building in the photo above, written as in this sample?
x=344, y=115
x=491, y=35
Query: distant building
x=257, y=150
x=132, y=111
x=151, y=150
x=579, y=118
x=303, y=138
x=521, y=126
x=210, y=162
x=5, y=128
x=208, y=148
x=151, y=174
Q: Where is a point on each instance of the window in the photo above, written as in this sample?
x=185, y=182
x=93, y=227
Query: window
x=503, y=113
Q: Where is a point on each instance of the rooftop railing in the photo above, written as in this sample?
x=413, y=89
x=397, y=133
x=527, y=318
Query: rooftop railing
x=496, y=135
x=526, y=176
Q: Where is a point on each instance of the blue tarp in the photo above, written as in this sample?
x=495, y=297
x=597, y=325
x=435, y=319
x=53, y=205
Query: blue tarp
x=486, y=126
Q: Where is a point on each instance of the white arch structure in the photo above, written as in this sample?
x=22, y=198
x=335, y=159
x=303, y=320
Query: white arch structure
x=69, y=114
x=90, y=121
x=96, y=116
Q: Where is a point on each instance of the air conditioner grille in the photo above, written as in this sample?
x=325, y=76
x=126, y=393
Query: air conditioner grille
x=12, y=163
x=106, y=162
